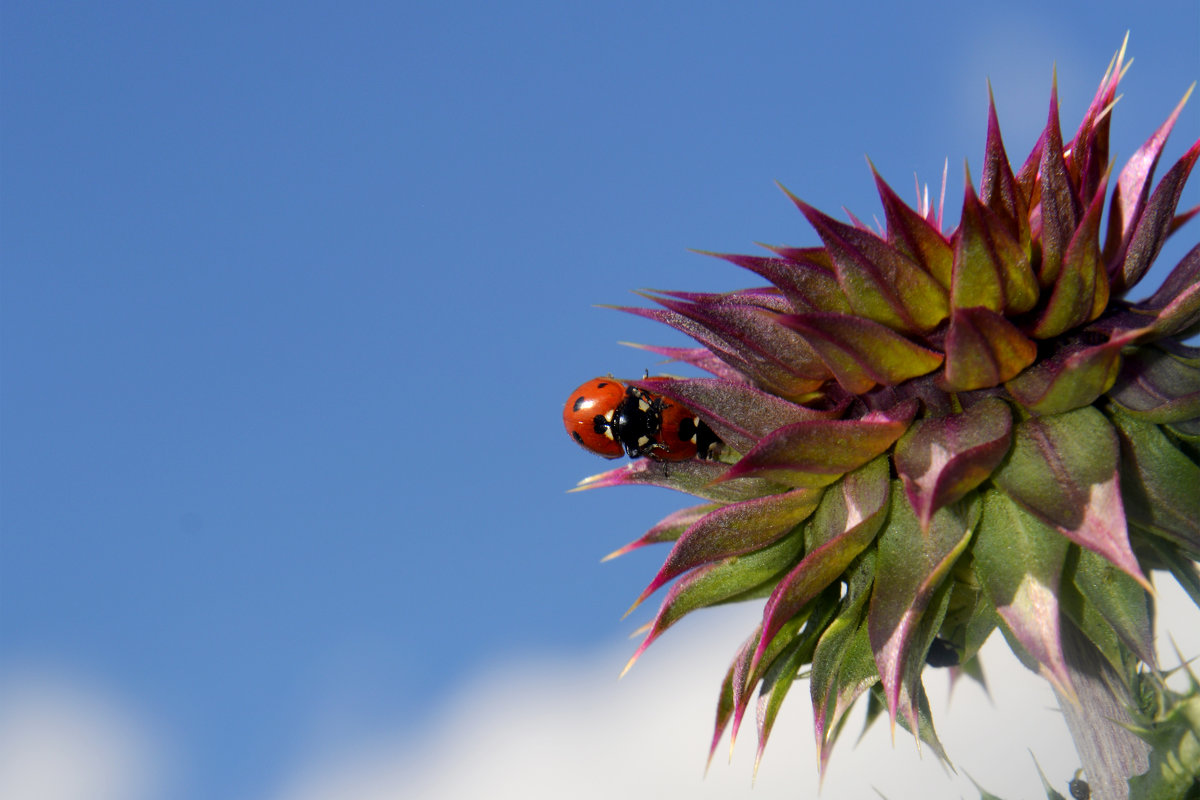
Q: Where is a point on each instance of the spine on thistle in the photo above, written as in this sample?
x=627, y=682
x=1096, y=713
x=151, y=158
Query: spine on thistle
x=911, y=437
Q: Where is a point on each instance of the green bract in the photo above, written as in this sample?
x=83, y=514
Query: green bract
x=930, y=435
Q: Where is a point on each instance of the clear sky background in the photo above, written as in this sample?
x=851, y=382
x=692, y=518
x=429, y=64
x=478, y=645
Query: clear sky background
x=292, y=295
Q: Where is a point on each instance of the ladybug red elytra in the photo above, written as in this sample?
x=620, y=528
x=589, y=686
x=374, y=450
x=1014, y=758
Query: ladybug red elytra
x=612, y=419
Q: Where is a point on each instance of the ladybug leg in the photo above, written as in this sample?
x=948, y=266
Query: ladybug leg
x=654, y=448
x=647, y=448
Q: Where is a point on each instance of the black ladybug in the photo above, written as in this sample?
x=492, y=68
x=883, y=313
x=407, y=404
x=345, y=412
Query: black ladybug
x=941, y=653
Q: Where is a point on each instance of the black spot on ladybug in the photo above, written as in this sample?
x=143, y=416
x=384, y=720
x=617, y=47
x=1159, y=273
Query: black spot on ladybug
x=577, y=437
x=599, y=424
x=579, y=401
x=687, y=430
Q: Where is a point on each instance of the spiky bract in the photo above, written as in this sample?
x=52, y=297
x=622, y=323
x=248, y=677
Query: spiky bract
x=934, y=434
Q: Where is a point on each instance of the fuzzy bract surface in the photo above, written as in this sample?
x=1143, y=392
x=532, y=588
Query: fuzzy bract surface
x=931, y=435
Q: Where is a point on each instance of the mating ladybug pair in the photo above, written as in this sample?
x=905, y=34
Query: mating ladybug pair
x=612, y=420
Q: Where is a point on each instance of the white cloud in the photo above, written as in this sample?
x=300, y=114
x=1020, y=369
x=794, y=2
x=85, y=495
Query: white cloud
x=60, y=740
x=563, y=726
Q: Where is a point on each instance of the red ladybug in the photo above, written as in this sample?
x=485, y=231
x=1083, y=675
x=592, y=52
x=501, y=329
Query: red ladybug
x=612, y=419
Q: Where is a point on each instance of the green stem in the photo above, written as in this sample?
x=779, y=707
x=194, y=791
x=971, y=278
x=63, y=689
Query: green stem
x=1109, y=753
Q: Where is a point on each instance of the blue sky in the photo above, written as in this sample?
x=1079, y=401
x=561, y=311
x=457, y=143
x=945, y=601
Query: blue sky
x=292, y=295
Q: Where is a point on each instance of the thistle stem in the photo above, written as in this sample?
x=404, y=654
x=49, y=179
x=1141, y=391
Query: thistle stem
x=1109, y=753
